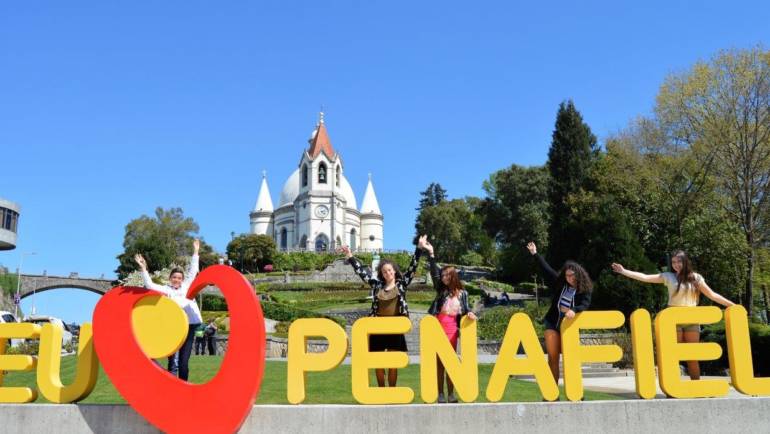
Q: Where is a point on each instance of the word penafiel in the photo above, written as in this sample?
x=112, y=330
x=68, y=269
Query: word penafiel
x=134, y=325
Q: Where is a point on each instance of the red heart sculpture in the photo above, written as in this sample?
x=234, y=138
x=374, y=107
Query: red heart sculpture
x=171, y=404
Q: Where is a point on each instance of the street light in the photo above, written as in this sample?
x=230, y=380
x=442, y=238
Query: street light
x=17, y=299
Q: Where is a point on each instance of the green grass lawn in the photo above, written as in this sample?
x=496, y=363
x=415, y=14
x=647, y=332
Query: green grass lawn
x=331, y=387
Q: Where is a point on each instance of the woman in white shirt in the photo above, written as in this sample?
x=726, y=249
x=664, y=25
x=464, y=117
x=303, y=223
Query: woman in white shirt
x=684, y=289
x=176, y=290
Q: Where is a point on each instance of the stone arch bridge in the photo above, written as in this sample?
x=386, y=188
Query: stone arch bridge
x=34, y=283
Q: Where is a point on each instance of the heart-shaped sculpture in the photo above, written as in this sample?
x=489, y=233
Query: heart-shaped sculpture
x=171, y=404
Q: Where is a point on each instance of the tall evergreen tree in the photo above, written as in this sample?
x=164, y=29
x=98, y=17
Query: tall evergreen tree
x=432, y=196
x=572, y=153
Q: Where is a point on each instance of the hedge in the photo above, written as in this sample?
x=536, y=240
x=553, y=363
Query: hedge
x=759, y=334
x=282, y=312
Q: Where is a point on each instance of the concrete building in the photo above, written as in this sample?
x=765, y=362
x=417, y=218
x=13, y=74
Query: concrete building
x=317, y=209
x=9, y=221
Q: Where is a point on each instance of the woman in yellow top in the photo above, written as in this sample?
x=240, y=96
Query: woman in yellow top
x=684, y=289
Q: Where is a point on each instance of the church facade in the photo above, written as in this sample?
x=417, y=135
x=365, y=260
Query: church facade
x=317, y=209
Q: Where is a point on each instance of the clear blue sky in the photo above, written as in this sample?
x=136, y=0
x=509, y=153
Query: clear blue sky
x=108, y=111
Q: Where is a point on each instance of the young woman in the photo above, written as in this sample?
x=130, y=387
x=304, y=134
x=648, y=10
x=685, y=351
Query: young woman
x=684, y=289
x=388, y=299
x=176, y=290
x=449, y=306
x=571, y=288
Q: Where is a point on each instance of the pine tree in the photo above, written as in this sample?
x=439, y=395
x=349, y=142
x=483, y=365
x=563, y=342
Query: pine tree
x=570, y=158
x=432, y=196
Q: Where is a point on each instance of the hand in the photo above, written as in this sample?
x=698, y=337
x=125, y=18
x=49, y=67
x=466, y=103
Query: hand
x=618, y=268
x=429, y=248
x=140, y=260
x=422, y=241
x=569, y=313
x=472, y=316
x=196, y=246
x=532, y=248
x=346, y=251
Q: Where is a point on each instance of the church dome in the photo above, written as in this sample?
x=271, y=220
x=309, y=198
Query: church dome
x=347, y=193
x=290, y=189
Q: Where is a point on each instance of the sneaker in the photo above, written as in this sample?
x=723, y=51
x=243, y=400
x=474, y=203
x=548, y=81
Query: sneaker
x=441, y=399
x=451, y=398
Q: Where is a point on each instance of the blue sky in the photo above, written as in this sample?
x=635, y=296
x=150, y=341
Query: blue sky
x=107, y=110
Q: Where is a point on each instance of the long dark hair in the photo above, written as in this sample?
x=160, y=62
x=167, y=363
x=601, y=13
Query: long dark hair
x=584, y=283
x=686, y=274
x=455, y=284
x=385, y=262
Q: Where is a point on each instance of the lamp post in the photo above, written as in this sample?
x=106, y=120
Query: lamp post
x=17, y=299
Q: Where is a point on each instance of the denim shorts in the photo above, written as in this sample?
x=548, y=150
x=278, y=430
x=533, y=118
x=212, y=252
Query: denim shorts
x=550, y=326
x=688, y=328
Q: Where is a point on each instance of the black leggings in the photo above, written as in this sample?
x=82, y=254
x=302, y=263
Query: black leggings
x=185, y=352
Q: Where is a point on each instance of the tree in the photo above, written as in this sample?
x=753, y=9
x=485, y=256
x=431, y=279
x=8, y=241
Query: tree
x=514, y=212
x=432, y=196
x=163, y=240
x=721, y=111
x=570, y=158
x=609, y=238
x=454, y=230
x=671, y=203
x=251, y=252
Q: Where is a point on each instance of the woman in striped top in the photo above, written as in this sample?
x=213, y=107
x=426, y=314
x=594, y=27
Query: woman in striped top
x=571, y=288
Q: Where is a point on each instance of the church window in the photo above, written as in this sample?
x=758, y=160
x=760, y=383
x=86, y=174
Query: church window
x=304, y=175
x=284, y=239
x=322, y=174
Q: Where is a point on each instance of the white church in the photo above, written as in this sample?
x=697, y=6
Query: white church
x=317, y=209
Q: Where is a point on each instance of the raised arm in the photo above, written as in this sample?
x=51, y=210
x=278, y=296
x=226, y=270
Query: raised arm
x=146, y=279
x=194, y=267
x=549, y=272
x=363, y=272
x=646, y=278
x=435, y=271
x=412, y=268
x=713, y=296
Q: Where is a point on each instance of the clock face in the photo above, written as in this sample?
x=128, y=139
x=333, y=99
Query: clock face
x=322, y=211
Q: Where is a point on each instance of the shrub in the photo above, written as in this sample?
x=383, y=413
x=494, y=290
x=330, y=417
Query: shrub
x=494, y=322
x=213, y=302
x=759, y=334
x=282, y=312
x=497, y=286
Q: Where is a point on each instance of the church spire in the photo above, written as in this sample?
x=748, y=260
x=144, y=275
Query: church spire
x=370, y=204
x=264, y=201
x=319, y=141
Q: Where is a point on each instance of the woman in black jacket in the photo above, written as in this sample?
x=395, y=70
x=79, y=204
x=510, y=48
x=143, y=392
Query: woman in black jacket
x=571, y=288
x=449, y=306
x=388, y=299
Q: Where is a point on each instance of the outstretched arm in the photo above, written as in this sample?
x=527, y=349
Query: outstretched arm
x=435, y=271
x=146, y=279
x=549, y=272
x=194, y=266
x=713, y=296
x=363, y=272
x=412, y=268
x=646, y=278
